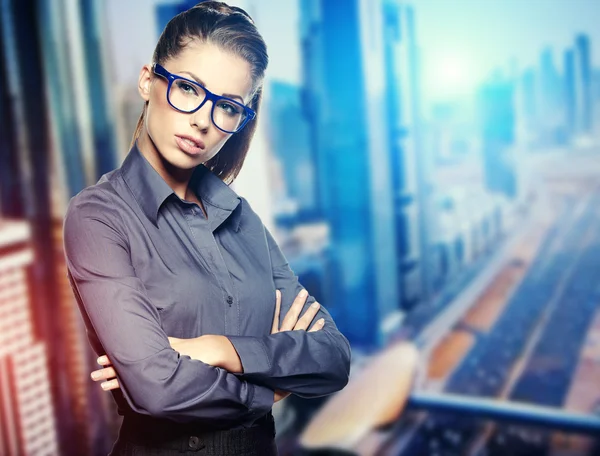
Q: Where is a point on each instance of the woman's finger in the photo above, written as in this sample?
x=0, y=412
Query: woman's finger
x=110, y=385
x=103, y=360
x=292, y=315
x=308, y=316
x=318, y=325
x=275, y=325
x=103, y=374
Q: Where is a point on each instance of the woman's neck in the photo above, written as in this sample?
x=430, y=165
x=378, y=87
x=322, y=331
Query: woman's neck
x=178, y=179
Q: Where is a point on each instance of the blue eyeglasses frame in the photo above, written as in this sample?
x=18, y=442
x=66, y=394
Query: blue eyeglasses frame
x=171, y=77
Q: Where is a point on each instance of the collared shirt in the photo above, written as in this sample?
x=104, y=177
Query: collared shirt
x=146, y=265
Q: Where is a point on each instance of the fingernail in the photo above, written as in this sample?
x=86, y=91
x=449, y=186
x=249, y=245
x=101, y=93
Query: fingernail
x=104, y=385
x=322, y=321
x=95, y=375
x=101, y=359
x=315, y=305
x=304, y=293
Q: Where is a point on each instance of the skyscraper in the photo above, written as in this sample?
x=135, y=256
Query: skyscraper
x=570, y=92
x=550, y=94
x=529, y=104
x=496, y=103
x=344, y=90
x=402, y=89
x=583, y=94
x=289, y=139
x=27, y=421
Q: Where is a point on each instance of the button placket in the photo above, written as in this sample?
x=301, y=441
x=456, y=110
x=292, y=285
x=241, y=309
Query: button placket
x=232, y=314
x=202, y=235
x=220, y=269
x=223, y=276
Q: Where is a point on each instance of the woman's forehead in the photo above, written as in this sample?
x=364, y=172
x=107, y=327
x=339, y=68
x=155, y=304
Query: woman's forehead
x=219, y=70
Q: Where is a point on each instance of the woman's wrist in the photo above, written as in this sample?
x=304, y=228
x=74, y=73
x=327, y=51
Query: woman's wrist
x=229, y=358
x=212, y=349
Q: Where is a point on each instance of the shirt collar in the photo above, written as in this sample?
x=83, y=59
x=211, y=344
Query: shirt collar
x=150, y=190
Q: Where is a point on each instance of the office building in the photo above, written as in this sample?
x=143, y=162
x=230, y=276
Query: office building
x=583, y=94
x=344, y=88
x=496, y=103
x=27, y=420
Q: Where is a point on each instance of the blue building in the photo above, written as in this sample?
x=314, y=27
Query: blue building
x=550, y=101
x=289, y=139
x=529, y=101
x=102, y=126
x=407, y=167
x=345, y=88
x=496, y=104
x=81, y=114
x=583, y=84
x=570, y=92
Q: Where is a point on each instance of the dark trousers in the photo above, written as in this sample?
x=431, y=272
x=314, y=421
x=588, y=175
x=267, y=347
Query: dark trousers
x=144, y=435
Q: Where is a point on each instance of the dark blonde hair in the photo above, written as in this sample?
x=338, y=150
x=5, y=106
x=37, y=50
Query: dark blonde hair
x=233, y=30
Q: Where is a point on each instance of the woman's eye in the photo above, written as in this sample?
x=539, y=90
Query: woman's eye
x=187, y=88
x=229, y=108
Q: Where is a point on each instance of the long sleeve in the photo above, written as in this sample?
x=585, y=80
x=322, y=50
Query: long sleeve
x=308, y=364
x=121, y=319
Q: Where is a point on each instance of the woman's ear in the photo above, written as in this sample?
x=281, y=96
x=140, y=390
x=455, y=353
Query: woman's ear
x=144, y=82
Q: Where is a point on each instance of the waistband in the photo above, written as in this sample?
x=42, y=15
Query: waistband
x=154, y=432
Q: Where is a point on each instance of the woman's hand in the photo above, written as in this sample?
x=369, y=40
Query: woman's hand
x=107, y=375
x=291, y=321
x=209, y=349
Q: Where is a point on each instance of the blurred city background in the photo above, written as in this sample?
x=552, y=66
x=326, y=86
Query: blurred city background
x=430, y=169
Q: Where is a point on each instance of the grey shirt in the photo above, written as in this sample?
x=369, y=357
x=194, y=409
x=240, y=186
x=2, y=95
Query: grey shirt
x=146, y=265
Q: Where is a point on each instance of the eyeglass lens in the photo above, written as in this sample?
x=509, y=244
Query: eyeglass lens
x=187, y=97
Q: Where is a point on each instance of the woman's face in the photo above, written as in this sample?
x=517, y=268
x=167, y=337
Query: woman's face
x=222, y=73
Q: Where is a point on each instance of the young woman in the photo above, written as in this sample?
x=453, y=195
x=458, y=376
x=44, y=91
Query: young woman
x=180, y=285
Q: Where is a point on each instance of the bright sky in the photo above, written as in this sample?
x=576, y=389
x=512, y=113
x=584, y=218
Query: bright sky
x=464, y=40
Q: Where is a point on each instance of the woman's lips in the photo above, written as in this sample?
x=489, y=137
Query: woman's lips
x=188, y=146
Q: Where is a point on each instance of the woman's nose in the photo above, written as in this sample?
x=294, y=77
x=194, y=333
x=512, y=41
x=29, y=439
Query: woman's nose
x=201, y=118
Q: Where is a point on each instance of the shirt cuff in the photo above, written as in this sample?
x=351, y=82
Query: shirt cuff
x=252, y=353
x=263, y=400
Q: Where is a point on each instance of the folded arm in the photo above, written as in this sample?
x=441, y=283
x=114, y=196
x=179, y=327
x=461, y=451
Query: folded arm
x=124, y=323
x=306, y=363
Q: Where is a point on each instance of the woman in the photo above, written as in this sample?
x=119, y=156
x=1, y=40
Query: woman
x=180, y=285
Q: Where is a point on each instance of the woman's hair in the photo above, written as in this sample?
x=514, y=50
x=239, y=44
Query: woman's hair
x=231, y=29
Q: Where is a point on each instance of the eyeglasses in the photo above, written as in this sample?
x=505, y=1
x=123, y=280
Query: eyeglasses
x=188, y=96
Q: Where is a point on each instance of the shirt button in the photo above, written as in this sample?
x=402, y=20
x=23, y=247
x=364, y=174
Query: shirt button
x=229, y=300
x=194, y=442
